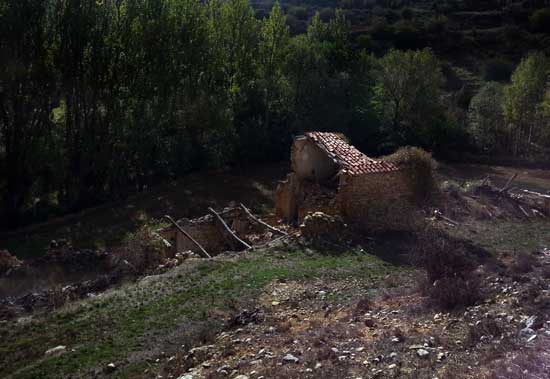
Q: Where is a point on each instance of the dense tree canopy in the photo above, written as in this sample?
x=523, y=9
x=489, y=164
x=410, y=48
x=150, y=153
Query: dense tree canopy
x=99, y=99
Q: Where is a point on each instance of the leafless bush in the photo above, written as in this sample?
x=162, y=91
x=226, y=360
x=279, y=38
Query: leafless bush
x=485, y=327
x=523, y=263
x=450, y=280
x=533, y=363
x=142, y=250
x=451, y=293
x=363, y=306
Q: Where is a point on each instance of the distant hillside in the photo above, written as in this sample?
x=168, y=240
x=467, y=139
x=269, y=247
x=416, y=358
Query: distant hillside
x=464, y=32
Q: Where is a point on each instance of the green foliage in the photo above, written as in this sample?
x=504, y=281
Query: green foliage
x=521, y=101
x=407, y=93
x=100, y=99
x=486, y=119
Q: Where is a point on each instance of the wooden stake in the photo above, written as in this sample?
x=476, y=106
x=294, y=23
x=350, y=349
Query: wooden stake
x=205, y=253
x=254, y=218
x=505, y=188
x=229, y=229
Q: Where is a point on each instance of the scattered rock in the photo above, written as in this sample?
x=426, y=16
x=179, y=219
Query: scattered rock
x=526, y=332
x=56, y=350
x=422, y=353
x=289, y=358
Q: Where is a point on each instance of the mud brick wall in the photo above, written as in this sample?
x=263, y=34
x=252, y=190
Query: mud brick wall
x=380, y=201
x=208, y=232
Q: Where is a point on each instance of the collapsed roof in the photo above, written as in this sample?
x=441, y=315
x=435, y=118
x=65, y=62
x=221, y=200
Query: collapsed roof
x=350, y=160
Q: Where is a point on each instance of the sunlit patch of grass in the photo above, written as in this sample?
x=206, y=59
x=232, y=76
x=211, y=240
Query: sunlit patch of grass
x=508, y=236
x=113, y=326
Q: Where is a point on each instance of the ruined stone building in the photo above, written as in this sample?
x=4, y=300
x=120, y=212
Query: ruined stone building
x=332, y=176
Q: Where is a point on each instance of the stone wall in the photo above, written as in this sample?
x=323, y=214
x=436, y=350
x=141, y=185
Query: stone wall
x=209, y=232
x=380, y=201
x=295, y=198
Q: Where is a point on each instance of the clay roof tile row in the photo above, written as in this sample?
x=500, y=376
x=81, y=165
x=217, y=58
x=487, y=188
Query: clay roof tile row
x=351, y=160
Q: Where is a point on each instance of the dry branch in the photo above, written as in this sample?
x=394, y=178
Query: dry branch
x=205, y=253
x=254, y=218
x=508, y=183
x=438, y=214
x=228, y=228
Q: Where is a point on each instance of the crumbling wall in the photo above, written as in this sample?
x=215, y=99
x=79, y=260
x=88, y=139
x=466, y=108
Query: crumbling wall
x=310, y=162
x=205, y=230
x=295, y=198
x=209, y=232
x=318, y=198
x=381, y=201
x=288, y=195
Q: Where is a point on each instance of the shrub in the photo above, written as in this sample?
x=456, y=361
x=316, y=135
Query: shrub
x=450, y=280
x=523, y=263
x=485, y=327
x=420, y=167
x=540, y=20
x=142, y=250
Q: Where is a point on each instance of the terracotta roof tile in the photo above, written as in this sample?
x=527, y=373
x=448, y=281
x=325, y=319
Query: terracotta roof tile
x=351, y=160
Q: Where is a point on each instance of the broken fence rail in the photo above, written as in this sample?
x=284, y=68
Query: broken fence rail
x=229, y=229
x=204, y=252
x=256, y=219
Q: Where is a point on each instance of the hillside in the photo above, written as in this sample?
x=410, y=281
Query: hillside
x=313, y=308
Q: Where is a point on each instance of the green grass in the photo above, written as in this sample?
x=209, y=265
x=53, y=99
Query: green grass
x=508, y=236
x=110, y=328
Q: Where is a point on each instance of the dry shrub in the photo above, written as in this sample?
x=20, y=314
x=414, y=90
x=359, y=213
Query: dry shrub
x=420, y=167
x=485, y=327
x=532, y=363
x=450, y=281
x=363, y=306
x=523, y=263
x=142, y=250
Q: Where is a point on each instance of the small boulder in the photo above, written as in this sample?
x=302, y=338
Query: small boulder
x=289, y=358
x=422, y=353
x=56, y=350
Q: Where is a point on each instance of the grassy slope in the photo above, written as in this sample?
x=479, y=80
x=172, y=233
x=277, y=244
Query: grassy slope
x=119, y=325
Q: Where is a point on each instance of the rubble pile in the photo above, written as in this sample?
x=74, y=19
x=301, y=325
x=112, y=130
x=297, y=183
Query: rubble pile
x=320, y=198
x=486, y=202
x=303, y=334
x=322, y=226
